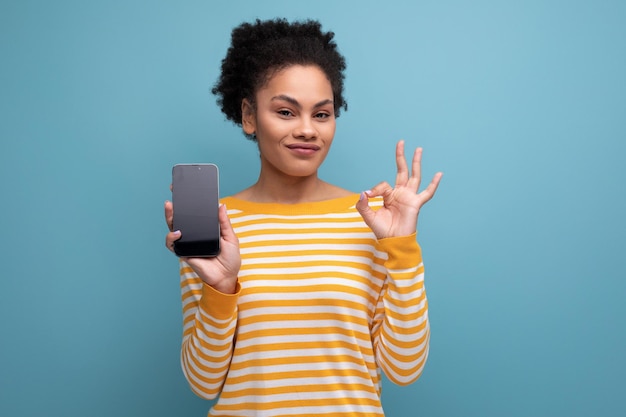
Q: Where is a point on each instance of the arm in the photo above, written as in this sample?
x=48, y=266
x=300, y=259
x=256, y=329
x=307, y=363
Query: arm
x=401, y=329
x=210, y=291
x=209, y=321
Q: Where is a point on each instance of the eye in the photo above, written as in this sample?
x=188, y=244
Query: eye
x=285, y=113
x=322, y=115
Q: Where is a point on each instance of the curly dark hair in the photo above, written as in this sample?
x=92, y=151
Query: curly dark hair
x=258, y=50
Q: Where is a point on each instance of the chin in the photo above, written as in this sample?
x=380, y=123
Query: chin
x=301, y=173
x=297, y=169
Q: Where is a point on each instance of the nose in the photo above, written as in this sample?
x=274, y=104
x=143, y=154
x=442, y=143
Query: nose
x=306, y=129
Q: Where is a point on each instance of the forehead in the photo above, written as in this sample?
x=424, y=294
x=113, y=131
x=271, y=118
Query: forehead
x=298, y=81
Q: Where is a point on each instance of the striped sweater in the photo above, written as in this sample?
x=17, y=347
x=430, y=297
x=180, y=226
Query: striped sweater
x=321, y=307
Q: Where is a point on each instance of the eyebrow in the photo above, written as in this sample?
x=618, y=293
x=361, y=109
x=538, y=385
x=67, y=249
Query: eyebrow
x=295, y=102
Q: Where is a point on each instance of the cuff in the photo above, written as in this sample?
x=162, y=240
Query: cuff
x=402, y=252
x=217, y=304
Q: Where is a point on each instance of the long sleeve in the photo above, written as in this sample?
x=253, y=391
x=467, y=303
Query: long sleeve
x=401, y=329
x=321, y=308
x=209, y=321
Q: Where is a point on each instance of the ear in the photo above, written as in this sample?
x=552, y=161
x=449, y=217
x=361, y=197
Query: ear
x=248, y=117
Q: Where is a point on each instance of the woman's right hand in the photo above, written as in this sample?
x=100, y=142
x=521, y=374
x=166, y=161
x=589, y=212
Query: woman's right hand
x=219, y=272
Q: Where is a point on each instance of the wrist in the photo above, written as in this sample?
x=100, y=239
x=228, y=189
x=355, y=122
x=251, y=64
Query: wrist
x=226, y=286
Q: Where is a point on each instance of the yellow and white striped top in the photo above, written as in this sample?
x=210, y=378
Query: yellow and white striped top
x=321, y=306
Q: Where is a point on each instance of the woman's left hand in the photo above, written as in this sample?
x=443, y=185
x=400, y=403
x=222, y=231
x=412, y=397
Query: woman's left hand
x=402, y=203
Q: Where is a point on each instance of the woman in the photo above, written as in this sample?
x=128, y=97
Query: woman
x=316, y=288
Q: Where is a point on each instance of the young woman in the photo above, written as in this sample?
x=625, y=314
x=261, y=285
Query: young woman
x=316, y=288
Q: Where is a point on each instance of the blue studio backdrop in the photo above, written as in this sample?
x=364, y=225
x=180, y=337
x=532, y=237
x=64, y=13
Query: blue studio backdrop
x=520, y=104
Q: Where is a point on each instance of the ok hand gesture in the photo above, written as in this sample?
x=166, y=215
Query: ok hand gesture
x=402, y=203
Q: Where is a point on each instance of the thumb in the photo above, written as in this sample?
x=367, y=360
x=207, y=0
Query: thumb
x=226, y=229
x=364, y=209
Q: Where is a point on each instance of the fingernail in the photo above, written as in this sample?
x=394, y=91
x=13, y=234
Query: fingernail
x=363, y=196
x=177, y=232
x=368, y=192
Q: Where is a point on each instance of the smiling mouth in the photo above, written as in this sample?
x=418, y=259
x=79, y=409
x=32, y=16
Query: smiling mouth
x=304, y=146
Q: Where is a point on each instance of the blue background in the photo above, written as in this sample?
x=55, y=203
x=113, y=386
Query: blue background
x=521, y=104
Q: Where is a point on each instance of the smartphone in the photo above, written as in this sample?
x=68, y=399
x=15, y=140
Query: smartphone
x=195, y=197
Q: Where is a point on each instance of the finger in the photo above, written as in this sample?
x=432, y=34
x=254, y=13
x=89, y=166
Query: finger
x=429, y=192
x=170, y=238
x=381, y=189
x=364, y=209
x=403, y=170
x=169, y=214
x=416, y=171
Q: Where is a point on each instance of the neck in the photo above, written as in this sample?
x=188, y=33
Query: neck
x=287, y=190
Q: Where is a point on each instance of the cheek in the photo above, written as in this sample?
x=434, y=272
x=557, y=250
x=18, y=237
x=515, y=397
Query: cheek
x=329, y=132
x=272, y=129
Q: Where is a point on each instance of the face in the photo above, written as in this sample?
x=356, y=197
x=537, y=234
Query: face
x=294, y=121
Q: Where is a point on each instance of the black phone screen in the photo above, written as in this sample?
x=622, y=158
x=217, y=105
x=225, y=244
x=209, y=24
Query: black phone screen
x=195, y=197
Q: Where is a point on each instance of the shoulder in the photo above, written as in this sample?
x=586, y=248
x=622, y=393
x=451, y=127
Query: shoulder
x=242, y=195
x=332, y=192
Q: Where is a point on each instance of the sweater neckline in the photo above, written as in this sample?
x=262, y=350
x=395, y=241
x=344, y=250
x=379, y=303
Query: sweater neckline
x=346, y=203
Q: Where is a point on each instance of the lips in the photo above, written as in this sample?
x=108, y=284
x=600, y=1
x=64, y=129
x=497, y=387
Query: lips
x=303, y=150
x=304, y=146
